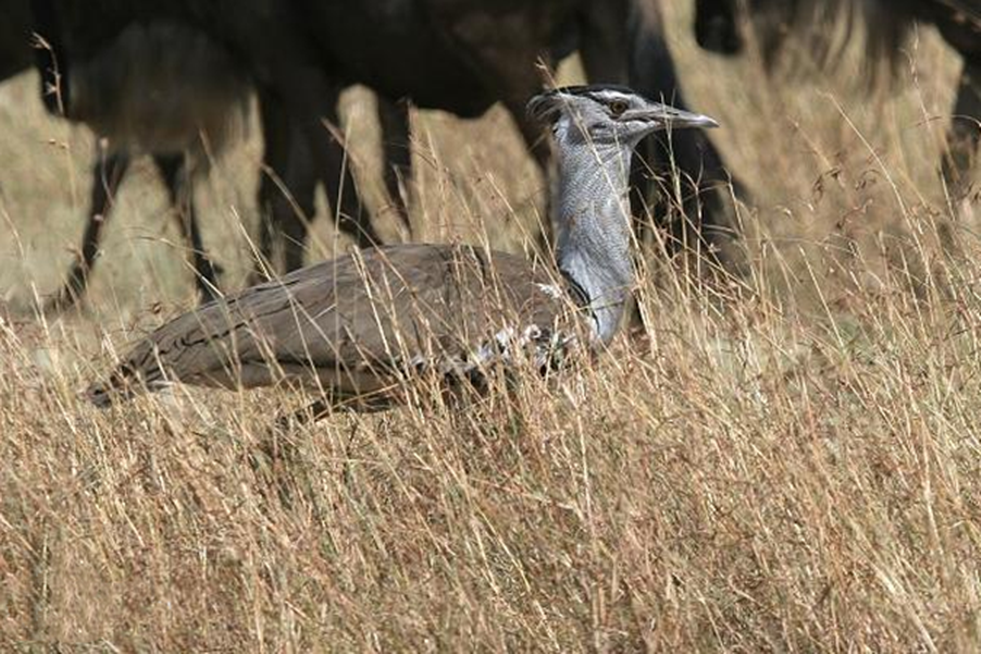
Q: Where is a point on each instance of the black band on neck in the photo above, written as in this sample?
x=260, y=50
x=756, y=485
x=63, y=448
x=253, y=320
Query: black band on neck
x=579, y=295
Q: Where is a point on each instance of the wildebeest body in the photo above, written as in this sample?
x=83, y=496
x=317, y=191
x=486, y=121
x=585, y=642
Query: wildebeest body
x=456, y=55
x=153, y=86
x=158, y=88
x=461, y=55
x=888, y=25
x=15, y=34
x=357, y=41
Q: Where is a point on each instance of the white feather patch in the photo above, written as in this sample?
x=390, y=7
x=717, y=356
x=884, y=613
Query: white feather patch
x=507, y=346
x=551, y=290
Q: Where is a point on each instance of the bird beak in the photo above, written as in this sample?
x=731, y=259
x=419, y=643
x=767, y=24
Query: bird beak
x=663, y=117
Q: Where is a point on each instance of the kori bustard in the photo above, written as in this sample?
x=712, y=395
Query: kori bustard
x=356, y=328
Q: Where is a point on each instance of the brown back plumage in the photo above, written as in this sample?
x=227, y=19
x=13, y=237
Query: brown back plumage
x=355, y=324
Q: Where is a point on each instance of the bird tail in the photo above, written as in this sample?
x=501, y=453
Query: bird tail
x=100, y=394
x=139, y=373
x=121, y=385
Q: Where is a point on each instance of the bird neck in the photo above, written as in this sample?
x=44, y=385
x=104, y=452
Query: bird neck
x=593, y=230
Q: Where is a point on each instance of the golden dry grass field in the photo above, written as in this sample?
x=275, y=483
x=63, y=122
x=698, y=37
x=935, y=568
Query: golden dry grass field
x=793, y=467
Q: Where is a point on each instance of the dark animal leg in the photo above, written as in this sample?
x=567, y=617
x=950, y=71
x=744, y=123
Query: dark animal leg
x=604, y=49
x=275, y=137
x=286, y=191
x=313, y=154
x=108, y=174
x=540, y=149
x=304, y=152
x=176, y=176
x=964, y=134
x=531, y=132
x=335, y=173
x=707, y=223
x=397, y=155
x=294, y=215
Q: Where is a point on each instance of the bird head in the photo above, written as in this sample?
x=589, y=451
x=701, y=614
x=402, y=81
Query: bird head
x=608, y=115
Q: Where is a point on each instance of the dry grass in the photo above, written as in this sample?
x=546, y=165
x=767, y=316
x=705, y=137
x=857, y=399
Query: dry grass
x=790, y=467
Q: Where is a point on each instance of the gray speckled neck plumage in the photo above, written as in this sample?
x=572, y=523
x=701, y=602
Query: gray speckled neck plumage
x=592, y=222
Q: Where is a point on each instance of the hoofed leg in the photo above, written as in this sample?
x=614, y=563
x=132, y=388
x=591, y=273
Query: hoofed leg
x=287, y=190
x=694, y=199
x=397, y=155
x=176, y=176
x=109, y=173
x=964, y=134
x=275, y=159
x=540, y=149
x=335, y=172
x=295, y=210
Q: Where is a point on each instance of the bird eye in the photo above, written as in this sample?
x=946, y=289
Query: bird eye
x=617, y=107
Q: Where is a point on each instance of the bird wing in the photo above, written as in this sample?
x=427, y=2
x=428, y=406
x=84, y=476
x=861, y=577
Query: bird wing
x=352, y=322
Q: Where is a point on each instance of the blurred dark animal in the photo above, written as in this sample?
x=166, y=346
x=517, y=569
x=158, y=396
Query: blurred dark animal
x=287, y=192
x=463, y=56
x=176, y=108
x=448, y=54
x=15, y=50
x=111, y=164
x=888, y=26
x=162, y=86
